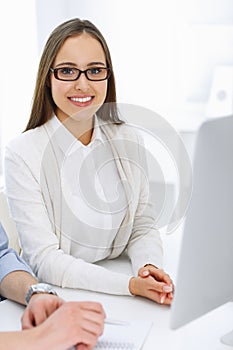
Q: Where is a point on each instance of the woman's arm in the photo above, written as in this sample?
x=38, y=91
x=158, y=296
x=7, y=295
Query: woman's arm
x=145, y=245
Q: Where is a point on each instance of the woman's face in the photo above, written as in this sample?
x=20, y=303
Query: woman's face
x=79, y=99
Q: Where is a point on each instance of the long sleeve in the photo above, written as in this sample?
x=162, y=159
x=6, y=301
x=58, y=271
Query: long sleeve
x=9, y=259
x=40, y=244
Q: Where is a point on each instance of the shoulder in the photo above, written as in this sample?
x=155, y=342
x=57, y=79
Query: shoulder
x=126, y=131
x=26, y=138
x=29, y=142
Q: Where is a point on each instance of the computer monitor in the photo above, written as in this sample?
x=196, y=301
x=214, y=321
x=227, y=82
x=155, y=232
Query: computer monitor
x=206, y=256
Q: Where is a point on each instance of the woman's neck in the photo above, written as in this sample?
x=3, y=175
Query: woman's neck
x=81, y=129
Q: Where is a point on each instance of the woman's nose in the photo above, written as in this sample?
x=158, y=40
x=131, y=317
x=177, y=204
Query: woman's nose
x=82, y=83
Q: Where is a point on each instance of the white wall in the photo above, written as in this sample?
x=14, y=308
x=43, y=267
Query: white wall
x=18, y=62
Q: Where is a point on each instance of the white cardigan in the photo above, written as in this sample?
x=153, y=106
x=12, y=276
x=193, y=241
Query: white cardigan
x=47, y=226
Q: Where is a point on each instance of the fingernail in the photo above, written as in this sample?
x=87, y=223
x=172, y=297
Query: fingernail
x=167, y=289
x=145, y=273
x=162, y=300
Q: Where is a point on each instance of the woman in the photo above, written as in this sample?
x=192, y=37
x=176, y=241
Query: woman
x=75, y=178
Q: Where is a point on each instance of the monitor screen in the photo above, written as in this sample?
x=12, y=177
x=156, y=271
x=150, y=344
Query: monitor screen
x=205, y=269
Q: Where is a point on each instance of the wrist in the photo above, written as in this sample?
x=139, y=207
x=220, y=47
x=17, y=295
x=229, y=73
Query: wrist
x=39, y=288
x=132, y=285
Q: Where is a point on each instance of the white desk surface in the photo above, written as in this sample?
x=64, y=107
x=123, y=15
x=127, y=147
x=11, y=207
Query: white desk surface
x=201, y=334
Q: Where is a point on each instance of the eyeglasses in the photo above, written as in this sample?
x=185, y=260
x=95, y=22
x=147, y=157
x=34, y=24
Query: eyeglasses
x=72, y=74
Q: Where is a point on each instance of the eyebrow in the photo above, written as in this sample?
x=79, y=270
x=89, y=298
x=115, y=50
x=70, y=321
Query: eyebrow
x=74, y=65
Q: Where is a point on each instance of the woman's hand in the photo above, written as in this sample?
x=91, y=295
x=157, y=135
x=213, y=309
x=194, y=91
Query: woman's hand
x=154, y=284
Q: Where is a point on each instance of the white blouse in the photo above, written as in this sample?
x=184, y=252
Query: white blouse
x=92, y=189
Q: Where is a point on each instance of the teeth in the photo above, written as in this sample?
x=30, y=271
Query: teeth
x=79, y=99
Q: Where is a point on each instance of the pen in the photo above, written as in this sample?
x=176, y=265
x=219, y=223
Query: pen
x=116, y=322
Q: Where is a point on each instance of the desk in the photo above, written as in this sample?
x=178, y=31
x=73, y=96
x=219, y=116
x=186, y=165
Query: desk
x=201, y=334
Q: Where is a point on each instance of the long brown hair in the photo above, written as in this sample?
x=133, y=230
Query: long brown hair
x=43, y=106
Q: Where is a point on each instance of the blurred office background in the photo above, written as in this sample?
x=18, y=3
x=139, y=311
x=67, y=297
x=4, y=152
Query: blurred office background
x=174, y=57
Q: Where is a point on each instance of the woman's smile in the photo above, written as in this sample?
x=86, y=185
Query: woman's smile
x=81, y=100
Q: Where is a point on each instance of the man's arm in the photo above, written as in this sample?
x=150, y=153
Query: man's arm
x=15, y=276
x=16, y=284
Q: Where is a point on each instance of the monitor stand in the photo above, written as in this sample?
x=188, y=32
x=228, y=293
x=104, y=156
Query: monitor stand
x=227, y=339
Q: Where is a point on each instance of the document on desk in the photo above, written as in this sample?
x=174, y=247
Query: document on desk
x=128, y=335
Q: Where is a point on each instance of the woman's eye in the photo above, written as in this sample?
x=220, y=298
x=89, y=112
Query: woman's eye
x=95, y=71
x=67, y=71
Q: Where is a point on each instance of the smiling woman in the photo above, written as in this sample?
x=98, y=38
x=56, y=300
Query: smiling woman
x=76, y=179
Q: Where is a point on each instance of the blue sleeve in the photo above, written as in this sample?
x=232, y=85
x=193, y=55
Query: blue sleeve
x=9, y=259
